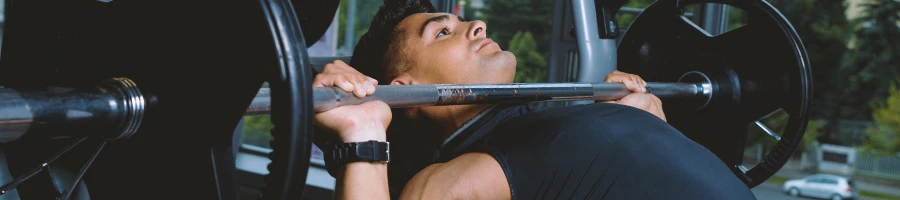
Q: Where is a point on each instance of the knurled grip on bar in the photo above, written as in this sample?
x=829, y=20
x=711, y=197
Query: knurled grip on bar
x=401, y=96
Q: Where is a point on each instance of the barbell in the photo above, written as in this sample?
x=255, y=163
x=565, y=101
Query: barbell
x=116, y=106
x=713, y=88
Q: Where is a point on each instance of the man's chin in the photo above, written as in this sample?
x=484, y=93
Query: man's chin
x=503, y=55
x=502, y=67
x=508, y=58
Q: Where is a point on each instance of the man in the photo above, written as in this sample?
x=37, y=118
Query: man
x=620, y=150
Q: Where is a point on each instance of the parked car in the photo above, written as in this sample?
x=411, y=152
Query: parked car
x=825, y=186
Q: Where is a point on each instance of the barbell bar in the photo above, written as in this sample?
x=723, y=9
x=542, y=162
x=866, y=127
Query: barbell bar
x=115, y=108
x=405, y=96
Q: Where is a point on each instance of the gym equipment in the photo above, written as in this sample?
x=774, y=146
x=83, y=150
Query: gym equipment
x=118, y=103
x=178, y=55
x=113, y=110
x=121, y=105
x=757, y=69
x=713, y=86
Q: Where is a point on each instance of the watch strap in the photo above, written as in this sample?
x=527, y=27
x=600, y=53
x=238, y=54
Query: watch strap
x=341, y=154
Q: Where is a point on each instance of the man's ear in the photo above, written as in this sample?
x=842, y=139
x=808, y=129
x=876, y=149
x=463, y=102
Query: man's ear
x=403, y=79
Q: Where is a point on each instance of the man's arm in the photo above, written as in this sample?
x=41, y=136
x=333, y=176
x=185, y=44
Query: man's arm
x=355, y=123
x=470, y=176
x=363, y=180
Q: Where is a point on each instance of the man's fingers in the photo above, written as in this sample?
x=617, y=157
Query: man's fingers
x=319, y=80
x=343, y=83
x=370, y=87
x=631, y=85
x=325, y=80
x=363, y=84
x=632, y=82
x=360, y=90
x=339, y=62
x=339, y=74
x=642, y=86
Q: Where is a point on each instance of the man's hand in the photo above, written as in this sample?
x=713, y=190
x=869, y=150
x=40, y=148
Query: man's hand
x=354, y=123
x=340, y=74
x=634, y=83
x=638, y=98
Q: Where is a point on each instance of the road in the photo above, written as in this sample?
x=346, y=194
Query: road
x=772, y=191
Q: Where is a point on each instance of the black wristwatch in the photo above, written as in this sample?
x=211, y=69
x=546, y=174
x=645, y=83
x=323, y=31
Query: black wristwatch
x=338, y=155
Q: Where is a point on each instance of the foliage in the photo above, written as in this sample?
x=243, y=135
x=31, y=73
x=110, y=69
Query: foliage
x=884, y=138
x=530, y=64
x=873, y=62
x=365, y=11
x=256, y=130
x=625, y=19
x=825, y=31
x=524, y=28
x=814, y=129
x=505, y=18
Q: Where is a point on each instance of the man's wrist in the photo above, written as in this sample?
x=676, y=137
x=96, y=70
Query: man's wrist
x=364, y=135
x=337, y=156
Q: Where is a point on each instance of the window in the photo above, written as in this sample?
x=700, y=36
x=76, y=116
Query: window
x=834, y=157
x=815, y=180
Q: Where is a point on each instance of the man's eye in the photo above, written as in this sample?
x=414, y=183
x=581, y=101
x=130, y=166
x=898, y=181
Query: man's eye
x=443, y=32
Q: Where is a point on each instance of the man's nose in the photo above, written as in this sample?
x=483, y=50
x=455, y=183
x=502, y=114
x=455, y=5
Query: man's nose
x=477, y=30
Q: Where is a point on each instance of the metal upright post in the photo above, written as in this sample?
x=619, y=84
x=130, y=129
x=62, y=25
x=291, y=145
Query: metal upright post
x=715, y=18
x=596, y=32
x=349, y=31
x=596, y=55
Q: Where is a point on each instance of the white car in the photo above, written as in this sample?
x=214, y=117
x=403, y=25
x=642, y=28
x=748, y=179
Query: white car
x=822, y=186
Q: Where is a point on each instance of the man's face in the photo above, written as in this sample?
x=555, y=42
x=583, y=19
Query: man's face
x=440, y=48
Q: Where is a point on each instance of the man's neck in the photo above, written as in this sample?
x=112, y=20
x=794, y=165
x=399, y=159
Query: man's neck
x=459, y=116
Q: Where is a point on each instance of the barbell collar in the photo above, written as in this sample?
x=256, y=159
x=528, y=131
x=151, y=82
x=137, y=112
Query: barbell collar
x=113, y=110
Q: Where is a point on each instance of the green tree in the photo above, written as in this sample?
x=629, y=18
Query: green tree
x=873, y=61
x=625, y=19
x=530, y=64
x=256, y=130
x=825, y=31
x=510, y=16
x=365, y=11
x=884, y=138
x=507, y=21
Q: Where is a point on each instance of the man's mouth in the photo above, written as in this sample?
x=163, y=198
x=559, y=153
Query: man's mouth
x=484, y=42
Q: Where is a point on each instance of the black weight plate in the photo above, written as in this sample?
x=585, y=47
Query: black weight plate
x=291, y=103
x=315, y=16
x=200, y=62
x=755, y=70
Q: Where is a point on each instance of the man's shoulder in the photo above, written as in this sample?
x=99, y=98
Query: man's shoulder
x=468, y=176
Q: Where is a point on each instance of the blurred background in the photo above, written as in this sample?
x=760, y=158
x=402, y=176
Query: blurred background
x=853, y=46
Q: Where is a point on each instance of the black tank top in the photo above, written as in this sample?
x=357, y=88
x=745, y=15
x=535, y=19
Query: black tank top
x=595, y=151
